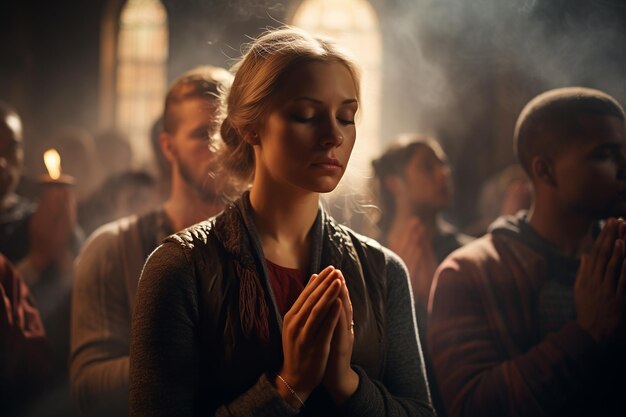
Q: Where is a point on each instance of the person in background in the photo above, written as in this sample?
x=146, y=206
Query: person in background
x=15, y=211
x=41, y=239
x=530, y=320
x=109, y=266
x=272, y=306
x=25, y=360
x=414, y=188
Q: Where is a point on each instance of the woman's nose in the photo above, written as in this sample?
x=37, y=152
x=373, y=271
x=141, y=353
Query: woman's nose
x=332, y=135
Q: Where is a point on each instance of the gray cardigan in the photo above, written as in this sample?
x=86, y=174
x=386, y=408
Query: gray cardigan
x=187, y=344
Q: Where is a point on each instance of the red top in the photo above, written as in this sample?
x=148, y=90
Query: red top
x=287, y=284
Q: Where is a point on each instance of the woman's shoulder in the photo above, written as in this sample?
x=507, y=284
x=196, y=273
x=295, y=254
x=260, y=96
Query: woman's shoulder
x=340, y=231
x=365, y=241
x=180, y=248
x=368, y=245
x=197, y=234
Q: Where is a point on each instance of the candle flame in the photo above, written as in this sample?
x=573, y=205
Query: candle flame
x=52, y=159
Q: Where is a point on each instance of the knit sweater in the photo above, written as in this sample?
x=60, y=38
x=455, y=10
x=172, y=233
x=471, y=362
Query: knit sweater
x=107, y=272
x=173, y=362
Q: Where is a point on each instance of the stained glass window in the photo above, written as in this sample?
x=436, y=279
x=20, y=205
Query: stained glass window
x=141, y=72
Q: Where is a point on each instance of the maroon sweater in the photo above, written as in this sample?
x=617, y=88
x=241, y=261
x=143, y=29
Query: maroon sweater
x=24, y=353
x=487, y=339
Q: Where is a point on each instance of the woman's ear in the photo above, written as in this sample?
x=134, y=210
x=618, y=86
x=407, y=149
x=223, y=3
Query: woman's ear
x=251, y=137
x=394, y=184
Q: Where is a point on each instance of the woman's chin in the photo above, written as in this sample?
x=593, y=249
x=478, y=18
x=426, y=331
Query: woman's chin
x=321, y=185
x=324, y=187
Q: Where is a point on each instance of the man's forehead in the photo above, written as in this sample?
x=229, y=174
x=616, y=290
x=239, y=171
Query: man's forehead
x=10, y=131
x=587, y=133
x=599, y=128
x=13, y=122
x=8, y=136
x=197, y=104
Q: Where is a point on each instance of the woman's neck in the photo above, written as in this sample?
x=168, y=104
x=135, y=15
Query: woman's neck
x=404, y=215
x=283, y=219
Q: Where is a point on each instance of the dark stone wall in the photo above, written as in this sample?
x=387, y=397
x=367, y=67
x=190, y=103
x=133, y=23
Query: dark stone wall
x=49, y=64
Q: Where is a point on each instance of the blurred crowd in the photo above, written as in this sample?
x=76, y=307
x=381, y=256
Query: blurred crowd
x=72, y=250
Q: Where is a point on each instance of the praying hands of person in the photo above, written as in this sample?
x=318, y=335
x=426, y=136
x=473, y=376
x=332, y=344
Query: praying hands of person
x=600, y=288
x=317, y=339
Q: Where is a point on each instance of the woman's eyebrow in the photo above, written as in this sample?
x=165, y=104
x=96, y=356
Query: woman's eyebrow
x=317, y=101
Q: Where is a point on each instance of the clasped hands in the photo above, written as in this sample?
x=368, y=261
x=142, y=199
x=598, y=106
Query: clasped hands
x=317, y=340
x=600, y=288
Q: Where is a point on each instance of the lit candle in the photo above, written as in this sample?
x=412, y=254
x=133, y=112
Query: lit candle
x=52, y=160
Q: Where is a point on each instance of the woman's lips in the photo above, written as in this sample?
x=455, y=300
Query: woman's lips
x=330, y=164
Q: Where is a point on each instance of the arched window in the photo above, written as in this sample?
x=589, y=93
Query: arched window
x=354, y=25
x=141, y=78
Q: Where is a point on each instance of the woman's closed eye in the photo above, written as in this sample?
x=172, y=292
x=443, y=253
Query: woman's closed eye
x=302, y=118
x=345, y=120
x=346, y=113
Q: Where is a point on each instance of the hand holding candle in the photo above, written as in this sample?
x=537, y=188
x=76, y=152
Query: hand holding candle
x=52, y=160
x=52, y=225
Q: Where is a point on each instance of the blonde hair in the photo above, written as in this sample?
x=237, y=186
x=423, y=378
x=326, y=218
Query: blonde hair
x=247, y=103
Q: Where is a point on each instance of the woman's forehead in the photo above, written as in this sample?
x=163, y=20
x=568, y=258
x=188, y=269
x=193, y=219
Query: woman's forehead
x=318, y=80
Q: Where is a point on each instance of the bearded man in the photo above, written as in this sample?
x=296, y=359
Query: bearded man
x=108, y=269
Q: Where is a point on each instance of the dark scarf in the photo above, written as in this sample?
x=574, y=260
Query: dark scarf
x=331, y=245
